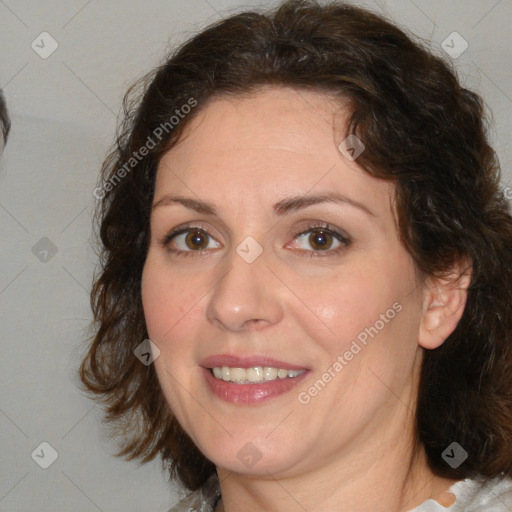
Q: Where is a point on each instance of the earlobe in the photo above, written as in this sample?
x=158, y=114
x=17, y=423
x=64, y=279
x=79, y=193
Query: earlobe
x=444, y=303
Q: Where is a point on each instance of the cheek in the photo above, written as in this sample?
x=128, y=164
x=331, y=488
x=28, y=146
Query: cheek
x=167, y=299
x=168, y=303
x=156, y=302
x=353, y=302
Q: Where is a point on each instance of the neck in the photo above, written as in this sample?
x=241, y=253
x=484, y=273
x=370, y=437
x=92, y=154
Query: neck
x=386, y=484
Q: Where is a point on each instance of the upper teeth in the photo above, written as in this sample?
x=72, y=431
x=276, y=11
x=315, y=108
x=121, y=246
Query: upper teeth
x=254, y=374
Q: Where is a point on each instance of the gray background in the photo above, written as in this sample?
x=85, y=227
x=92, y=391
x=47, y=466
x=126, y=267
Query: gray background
x=64, y=110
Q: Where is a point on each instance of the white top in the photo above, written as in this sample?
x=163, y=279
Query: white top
x=475, y=496
x=470, y=496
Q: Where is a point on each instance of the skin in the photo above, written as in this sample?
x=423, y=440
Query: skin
x=295, y=303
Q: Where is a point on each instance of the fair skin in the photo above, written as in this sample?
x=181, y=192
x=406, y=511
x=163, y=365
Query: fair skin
x=300, y=302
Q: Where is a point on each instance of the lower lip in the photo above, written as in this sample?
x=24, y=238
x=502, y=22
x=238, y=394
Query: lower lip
x=251, y=394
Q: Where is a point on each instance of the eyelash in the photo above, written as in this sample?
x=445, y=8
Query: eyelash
x=326, y=228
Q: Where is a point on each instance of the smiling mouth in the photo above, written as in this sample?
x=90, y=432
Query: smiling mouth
x=253, y=375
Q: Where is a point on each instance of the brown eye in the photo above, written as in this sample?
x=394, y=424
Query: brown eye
x=189, y=241
x=196, y=240
x=320, y=240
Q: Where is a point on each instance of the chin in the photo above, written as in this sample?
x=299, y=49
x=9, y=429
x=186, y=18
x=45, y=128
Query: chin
x=251, y=453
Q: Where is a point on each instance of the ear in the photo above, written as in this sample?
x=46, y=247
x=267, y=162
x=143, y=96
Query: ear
x=443, y=305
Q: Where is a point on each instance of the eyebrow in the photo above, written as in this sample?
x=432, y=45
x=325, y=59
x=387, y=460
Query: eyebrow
x=280, y=208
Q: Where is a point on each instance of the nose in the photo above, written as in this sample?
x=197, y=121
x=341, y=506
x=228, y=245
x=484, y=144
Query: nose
x=246, y=298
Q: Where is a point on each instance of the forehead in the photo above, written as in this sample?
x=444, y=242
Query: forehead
x=275, y=142
x=278, y=118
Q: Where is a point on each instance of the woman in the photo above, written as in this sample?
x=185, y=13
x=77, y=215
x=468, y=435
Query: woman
x=303, y=214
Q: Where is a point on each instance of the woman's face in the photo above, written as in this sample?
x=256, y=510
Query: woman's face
x=286, y=257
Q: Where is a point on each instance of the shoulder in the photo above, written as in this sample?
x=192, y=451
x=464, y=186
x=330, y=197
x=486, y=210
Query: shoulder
x=475, y=495
x=472, y=495
x=202, y=500
x=479, y=495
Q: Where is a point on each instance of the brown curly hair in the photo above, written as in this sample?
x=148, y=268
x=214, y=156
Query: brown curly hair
x=422, y=130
